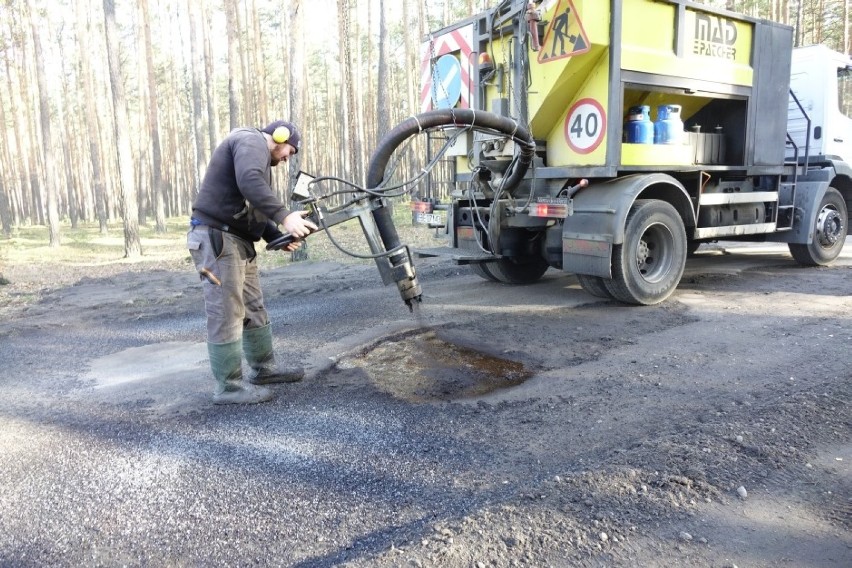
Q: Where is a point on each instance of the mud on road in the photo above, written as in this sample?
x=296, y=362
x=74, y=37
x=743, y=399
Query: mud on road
x=507, y=426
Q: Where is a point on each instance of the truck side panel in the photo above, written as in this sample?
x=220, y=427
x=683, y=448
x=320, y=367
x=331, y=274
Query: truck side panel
x=769, y=97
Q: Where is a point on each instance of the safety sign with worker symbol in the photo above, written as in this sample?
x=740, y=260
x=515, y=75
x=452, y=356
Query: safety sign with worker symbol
x=565, y=36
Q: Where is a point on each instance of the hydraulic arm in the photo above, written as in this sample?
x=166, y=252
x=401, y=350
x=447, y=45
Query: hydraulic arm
x=392, y=258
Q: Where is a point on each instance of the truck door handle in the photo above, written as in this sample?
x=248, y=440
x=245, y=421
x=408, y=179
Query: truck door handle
x=839, y=140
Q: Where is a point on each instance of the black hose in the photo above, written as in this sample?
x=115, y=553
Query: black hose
x=448, y=118
x=452, y=117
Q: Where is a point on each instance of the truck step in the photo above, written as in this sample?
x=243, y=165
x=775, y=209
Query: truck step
x=785, y=217
x=730, y=198
x=734, y=230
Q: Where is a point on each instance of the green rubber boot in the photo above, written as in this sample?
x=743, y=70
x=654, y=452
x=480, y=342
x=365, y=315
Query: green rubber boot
x=257, y=345
x=226, y=362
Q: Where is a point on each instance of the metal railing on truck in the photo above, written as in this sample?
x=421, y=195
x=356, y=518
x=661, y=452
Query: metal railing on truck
x=789, y=210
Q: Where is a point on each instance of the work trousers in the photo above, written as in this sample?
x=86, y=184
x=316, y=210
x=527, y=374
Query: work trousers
x=233, y=299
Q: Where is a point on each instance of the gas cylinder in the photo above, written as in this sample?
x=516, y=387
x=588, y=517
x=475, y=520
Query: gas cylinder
x=638, y=128
x=669, y=127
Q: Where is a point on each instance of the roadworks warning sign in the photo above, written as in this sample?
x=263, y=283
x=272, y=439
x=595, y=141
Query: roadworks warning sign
x=565, y=36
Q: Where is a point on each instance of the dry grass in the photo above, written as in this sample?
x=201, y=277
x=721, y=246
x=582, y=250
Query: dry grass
x=350, y=237
x=29, y=265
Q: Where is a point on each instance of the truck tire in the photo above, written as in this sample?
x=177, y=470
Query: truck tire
x=647, y=266
x=513, y=271
x=482, y=271
x=830, y=230
x=594, y=285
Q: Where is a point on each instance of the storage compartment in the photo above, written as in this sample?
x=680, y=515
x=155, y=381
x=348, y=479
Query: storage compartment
x=714, y=128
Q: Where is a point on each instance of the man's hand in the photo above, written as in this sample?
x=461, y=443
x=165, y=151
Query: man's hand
x=295, y=245
x=296, y=224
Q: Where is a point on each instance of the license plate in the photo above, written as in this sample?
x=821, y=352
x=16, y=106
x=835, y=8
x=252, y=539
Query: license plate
x=428, y=219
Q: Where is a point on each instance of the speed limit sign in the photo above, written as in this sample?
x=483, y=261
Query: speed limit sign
x=585, y=126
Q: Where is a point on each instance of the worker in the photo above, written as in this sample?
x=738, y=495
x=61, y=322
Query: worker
x=236, y=207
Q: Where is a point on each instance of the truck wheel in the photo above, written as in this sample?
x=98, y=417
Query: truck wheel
x=594, y=285
x=830, y=232
x=482, y=271
x=647, y=266
x=513, y=271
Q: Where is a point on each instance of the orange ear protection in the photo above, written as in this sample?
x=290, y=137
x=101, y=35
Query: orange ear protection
x=281, y=135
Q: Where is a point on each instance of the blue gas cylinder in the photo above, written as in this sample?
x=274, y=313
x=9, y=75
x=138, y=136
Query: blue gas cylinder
x=669, y=127
x=638, y=128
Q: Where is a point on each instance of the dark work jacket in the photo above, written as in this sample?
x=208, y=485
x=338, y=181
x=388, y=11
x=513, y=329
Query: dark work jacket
x=236, y=195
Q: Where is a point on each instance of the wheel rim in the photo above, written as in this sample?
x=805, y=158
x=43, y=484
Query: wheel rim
x=654, y=252
x=829, y=227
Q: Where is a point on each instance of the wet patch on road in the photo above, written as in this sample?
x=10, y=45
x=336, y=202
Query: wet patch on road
x=426, y=365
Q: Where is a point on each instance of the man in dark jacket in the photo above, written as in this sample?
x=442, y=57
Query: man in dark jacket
x=236, y=207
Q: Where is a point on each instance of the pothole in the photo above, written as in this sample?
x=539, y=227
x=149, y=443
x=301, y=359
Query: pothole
x=424, y=367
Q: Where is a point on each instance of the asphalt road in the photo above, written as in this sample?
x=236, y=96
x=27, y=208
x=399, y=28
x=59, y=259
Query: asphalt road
x=632, y=430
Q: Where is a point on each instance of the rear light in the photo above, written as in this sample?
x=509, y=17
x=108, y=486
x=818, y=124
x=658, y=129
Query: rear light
x=559, y=210
x=465, y=233
x=422, y=207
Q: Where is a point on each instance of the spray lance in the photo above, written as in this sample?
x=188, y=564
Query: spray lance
x=370, y=207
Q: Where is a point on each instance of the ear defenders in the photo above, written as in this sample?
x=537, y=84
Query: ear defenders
x=281, y=135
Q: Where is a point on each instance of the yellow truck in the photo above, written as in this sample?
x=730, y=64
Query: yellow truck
x=609, y=139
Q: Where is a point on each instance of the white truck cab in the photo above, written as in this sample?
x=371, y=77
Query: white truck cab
x=822, y=81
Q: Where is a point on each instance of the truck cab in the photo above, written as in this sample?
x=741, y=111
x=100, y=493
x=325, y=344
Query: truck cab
x=821, y=79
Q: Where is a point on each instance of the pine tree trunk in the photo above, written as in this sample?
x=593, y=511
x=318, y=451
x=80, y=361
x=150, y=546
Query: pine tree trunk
x=344, y=68
x=47, y=141
x=92, y=125
x=5, y=168
x=28, y=103
x=199, y=139
x=72, y=196
x=130, y=206
x=382, y=103
x=355, y=141
x=209, y=78
x=296, y=82
x=258, y=70
x=235, y=64
x=412, y=66
x=153, y=123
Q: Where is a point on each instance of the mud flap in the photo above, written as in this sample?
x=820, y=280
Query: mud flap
x=600, y=213
x=590, y=255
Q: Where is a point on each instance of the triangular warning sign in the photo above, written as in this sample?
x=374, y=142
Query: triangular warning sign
x=565, y=35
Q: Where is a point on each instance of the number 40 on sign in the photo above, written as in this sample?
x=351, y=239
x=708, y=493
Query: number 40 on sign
x=585, y=126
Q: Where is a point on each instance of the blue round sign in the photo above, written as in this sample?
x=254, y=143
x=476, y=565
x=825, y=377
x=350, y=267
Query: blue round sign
x=446, y=82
